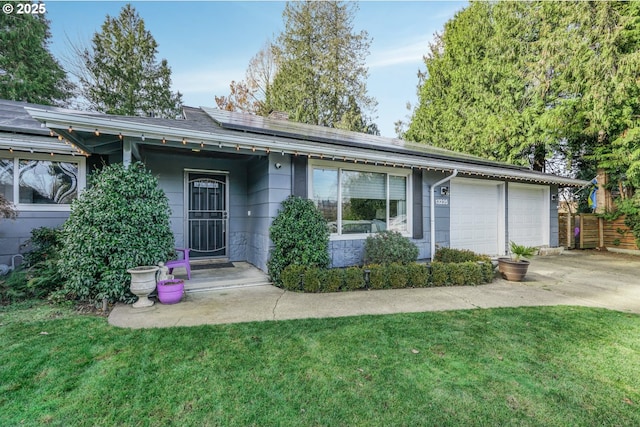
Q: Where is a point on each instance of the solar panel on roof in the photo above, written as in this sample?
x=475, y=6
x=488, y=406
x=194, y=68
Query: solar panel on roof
x=284, y=128
x=265, y=125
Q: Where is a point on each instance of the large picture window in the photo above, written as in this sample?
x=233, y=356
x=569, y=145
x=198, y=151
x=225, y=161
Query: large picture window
x=360, y=201
x=33, y=182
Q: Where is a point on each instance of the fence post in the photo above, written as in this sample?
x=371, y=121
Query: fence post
x=600, y=232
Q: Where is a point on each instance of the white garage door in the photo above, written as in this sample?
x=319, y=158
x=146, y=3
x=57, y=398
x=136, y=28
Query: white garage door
x=528, y=217
x=476, y=214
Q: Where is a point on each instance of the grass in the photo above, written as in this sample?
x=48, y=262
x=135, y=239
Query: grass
x=552, y=366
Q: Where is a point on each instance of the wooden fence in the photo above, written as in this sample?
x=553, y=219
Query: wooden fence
x=588, y=231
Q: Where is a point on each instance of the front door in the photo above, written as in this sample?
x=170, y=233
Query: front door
x=207, y=214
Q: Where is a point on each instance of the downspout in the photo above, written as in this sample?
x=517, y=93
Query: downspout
x=432, y=214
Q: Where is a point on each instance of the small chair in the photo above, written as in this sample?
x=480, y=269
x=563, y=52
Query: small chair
x=184, y=262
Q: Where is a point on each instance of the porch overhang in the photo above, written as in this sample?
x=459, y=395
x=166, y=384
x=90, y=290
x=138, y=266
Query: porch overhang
x=36, y=144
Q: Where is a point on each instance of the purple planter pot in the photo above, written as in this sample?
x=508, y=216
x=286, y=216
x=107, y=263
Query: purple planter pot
x=170, y=291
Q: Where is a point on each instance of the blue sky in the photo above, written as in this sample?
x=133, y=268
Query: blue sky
x=210, y=43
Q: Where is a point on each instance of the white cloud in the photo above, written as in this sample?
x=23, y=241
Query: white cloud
x=403, y=53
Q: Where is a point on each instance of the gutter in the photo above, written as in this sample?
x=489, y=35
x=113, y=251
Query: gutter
x=432, y=214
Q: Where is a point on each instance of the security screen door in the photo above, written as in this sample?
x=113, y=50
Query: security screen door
x=207, y=214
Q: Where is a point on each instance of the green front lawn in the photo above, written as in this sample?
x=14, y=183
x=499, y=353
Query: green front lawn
x=553, y=366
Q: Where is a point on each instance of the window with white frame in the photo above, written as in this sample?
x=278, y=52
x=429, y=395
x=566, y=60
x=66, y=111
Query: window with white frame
x=361, y=200
x=36, y=181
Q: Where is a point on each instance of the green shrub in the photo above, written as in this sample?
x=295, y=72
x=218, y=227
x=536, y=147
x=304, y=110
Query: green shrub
x=459, y=273
x=120, y=221
x=353, y=279
x=333, y=279
x=486, y=270
x=13, y=288
x=300, y=236
x=26, y=283
x=387, y=247
x=45, y=243
x=456, y=273
x=312, y=279
x=44, y=273
x=417, y=275
x=387, y=276
x=455, y=255
x=377, y=276
x=473, y=273
x=631, y=209
x=397, y=275
x=39, y=276
x=439, y=274
x=292, y=277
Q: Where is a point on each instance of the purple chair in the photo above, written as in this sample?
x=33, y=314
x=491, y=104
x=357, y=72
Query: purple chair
x=184, y=262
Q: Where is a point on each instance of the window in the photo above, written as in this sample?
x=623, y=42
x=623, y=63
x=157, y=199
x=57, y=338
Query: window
x=32, y=182
x=325, y=195
x=361, y=201
x=6, y=178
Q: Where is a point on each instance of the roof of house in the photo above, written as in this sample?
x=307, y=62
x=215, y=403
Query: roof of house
x=19, y=131
x=14, y=118
x=210, y=129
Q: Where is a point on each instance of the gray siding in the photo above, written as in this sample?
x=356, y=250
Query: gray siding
x=442, y=214
x=14, y=233
x=299, y=176
x=345, y=253
x=553, y=218
x=258, y=204
x=267, y=187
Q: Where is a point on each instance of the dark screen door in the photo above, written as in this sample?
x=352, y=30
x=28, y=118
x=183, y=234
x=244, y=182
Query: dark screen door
x=207, y=215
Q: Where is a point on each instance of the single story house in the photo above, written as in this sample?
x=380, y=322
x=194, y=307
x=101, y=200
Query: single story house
x=226, y=173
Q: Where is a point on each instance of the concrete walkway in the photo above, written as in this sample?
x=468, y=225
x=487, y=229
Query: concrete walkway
x=593, y=279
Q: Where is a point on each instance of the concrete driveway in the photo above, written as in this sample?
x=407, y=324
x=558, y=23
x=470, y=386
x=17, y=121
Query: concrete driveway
x=582, y=278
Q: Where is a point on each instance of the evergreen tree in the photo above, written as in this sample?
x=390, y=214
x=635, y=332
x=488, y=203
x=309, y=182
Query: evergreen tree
x=28, y=71
x=121, y=73
x=321, y=74
x=524, y=81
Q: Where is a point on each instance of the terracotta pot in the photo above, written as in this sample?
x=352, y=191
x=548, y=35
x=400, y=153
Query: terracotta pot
x=143, y=282
x=170, y=291
x=513, y=271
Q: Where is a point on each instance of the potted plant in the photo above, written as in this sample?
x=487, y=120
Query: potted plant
x=170, y=291
x=515, y=268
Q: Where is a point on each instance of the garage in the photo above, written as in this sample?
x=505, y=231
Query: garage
x=477, y=216
x=528, y=214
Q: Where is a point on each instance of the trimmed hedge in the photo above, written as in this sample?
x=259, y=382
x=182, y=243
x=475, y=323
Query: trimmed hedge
x=456, y=255
x=389, y=276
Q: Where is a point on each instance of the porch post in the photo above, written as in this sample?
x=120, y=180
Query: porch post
x=126, y=152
